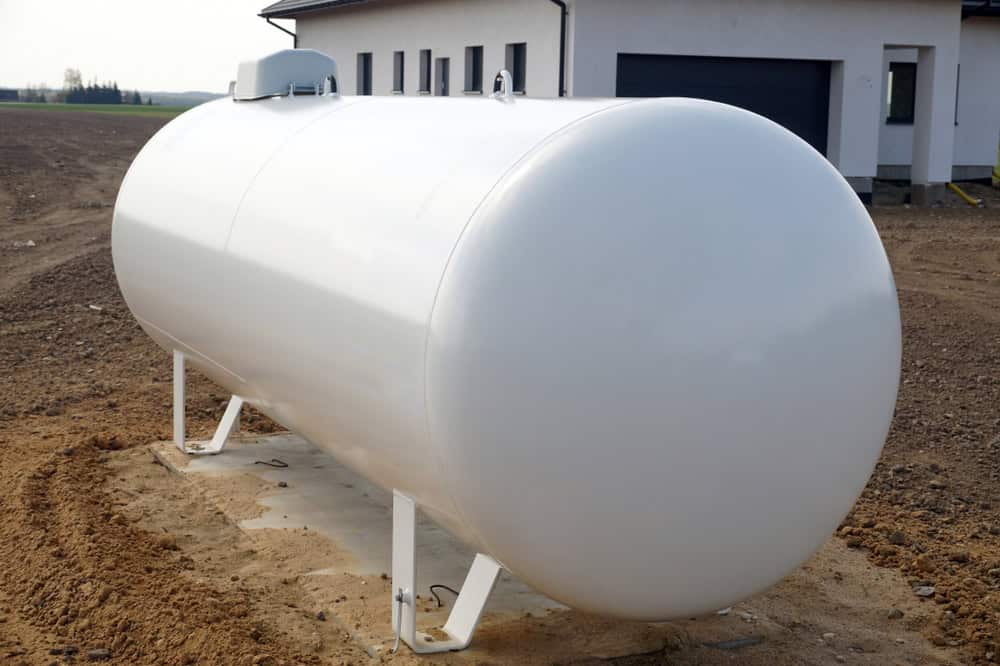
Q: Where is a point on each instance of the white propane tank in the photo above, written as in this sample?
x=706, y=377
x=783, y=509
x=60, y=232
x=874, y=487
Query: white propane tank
x=647, y=391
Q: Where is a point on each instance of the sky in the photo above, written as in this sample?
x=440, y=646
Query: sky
x=176, y=46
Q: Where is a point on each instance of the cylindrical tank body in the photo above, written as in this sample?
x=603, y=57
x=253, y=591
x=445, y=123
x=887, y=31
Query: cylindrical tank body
x=642, y=352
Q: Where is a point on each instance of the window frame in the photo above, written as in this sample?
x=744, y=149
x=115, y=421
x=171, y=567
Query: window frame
x=473, y=70
x=426, y=79
x=365, y=66
x=516, y=62
x=442, y=74
x=894, y=80
x=398, y=72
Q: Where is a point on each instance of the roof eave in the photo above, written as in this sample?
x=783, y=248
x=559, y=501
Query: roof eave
x=308, y=9
x=972, y=8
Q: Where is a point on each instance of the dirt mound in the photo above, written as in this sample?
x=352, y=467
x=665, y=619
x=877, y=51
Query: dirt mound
x=87, y=580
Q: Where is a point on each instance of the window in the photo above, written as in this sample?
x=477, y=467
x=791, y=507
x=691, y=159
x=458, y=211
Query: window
x=515, y=64
x=473, y=69
x=902, y=91
x=364, y=73
x=397, y=72
x=425, y=71
x=441, y=75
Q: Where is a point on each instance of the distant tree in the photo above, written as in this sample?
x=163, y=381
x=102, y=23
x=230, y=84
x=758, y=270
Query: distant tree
x=149, y=101
x=93, y=93
x=72, y=79
x=32, y=93
x=136, y=98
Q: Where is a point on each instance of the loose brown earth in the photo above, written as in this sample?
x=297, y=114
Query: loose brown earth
x=102, y=550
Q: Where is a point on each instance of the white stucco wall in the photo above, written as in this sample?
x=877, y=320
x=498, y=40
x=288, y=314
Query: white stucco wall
x=858, y=37
x=850, y=33
x=978, y=130
x=444, y=26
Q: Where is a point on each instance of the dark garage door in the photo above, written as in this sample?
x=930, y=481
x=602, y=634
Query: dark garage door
x=793, y=93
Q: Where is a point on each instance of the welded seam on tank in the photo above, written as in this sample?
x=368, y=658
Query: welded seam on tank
x=180, y=345
x=437, y=290
x=264, y=165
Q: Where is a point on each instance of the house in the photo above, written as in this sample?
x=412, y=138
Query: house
x=902, y=89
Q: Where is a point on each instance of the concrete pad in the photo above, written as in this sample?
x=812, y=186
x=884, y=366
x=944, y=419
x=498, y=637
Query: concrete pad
x=356, y=515
x=327, y=497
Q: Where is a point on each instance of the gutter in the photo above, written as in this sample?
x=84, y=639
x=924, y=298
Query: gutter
x=563, y=13
x=295, y=38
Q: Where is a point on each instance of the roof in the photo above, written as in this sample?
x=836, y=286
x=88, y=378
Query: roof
x=980, y=8
x=293, y=8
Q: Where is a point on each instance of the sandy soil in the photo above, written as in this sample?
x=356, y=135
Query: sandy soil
x=101, y=549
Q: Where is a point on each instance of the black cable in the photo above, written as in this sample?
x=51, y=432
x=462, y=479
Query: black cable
x=274, y=463
x=443, y=587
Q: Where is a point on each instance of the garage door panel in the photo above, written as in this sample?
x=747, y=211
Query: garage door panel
x=793, y=93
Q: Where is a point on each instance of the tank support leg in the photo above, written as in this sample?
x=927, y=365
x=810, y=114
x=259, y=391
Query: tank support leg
x=227, y=426
x=179, y=397
x=471, y=600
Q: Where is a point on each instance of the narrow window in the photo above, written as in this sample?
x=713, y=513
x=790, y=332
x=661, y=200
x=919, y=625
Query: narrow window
x=364, y=73
x=473, y=69
x=902, y=92
x=441, y=76
x=397, y=72
x=516, y=63
x=425, y=71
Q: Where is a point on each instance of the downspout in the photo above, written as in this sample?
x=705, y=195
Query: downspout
x=295, y=38
x=562, y=45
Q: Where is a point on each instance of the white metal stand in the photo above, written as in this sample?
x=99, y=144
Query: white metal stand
x=179, y=400
x=227, y=426
x=471, y=600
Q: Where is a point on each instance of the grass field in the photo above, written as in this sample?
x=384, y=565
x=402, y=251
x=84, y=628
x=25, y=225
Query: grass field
x=127, y=109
